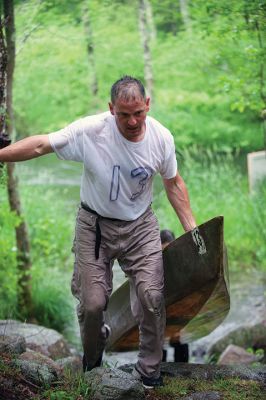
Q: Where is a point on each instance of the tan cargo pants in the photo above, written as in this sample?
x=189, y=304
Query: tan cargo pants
x=137, y=247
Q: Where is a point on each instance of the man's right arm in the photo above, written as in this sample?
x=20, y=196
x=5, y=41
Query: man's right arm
x=26, y=149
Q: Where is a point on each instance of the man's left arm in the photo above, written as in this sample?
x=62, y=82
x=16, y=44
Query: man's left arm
x=178, y=197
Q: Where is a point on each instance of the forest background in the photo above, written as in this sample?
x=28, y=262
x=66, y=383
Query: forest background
x=202, y=62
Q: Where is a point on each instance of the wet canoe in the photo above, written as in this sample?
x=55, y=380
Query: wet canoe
x=196, y=290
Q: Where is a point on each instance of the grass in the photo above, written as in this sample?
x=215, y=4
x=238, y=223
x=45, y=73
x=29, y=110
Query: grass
x=74, y=387
x=229, y=389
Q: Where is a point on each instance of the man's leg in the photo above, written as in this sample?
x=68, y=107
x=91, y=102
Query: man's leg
x=143, y=264
x=91, y=285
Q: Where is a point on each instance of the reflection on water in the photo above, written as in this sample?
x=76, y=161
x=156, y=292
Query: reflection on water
x=49, y=170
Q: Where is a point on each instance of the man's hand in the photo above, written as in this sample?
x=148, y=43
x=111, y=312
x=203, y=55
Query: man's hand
x=4, y=141
x=199, y=241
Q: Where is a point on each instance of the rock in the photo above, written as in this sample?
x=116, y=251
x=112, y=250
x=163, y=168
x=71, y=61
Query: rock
x=14, y=344
x=72, y=364
x=209, y=372
x=236, y=355
x=203, y=396
x=38, y=338
x=41, y=359
x=114, y=384
x=40, y=375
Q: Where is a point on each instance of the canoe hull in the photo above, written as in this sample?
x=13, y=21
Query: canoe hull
x=196, y=291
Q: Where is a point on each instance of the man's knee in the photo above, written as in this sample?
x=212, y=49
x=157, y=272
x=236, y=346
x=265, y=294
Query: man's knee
x=153, y=300
x=94, y=303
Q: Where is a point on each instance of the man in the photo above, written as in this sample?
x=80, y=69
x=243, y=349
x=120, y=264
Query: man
x=121, y=151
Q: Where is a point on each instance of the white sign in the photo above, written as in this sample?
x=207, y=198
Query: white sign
x=256, y=168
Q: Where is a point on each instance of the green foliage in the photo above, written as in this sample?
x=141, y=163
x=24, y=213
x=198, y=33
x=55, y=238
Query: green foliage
x=53, y=303
x=208, y=81
x=74, y=386
x=8, y=251
x=51, y=237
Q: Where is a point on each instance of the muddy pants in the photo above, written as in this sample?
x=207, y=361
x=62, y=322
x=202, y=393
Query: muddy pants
x=137, y=247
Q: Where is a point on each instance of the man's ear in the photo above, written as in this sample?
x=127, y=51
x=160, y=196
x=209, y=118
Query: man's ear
x=111, y=108
x=147, y=103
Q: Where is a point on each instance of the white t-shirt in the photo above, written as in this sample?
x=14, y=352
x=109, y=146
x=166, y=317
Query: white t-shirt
x=117, y=174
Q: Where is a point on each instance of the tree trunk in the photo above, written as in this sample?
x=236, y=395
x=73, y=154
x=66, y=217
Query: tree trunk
x=22, y=238
x=4, y=139
x=145, y=38
x=3, y=68
x=90, y=48
x=150, y=21
x=185, y=14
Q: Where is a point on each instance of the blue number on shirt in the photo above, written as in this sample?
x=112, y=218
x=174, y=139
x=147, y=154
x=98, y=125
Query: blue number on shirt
x=115, y=184
x=143, y=174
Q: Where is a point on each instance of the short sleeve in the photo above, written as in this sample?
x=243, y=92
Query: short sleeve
x=67, y=143
x=168, y=168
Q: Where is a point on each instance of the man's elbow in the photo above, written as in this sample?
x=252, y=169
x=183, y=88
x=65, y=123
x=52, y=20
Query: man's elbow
x=43, y=147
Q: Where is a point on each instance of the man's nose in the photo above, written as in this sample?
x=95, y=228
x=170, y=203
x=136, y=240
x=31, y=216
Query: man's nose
x=132, y=120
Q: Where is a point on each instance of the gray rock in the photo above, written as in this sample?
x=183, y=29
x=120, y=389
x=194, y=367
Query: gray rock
x=203, y=396
x=114, y=384
x=236, y=355
x=72, y=364
x=38, y=358
x=40, y=375
x=38, y=338
x=14, y=344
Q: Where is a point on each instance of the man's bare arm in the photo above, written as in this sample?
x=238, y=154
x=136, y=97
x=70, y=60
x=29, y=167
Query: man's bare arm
x=178, y=196
x=26, y=149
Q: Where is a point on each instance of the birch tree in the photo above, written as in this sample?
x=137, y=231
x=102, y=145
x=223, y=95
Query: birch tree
x=4, y=140
x=185, y=14
x=90, y=47
x=145, y=39
x=22, y=237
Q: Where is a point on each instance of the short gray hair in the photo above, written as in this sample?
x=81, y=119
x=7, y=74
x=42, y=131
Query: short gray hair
x=127, y=88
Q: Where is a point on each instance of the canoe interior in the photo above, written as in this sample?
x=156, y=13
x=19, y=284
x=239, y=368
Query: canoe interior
x=196, y=291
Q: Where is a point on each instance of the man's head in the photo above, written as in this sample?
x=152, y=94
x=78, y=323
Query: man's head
x=166, y=237
x=129, y=106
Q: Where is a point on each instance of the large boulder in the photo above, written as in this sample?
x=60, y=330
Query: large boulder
x=38, y=358
x=39, y=374
x=114, y=384
x=236, y=355
x=38, y=338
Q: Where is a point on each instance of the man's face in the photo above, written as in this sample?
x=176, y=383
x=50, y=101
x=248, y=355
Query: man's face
x=130, y=117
